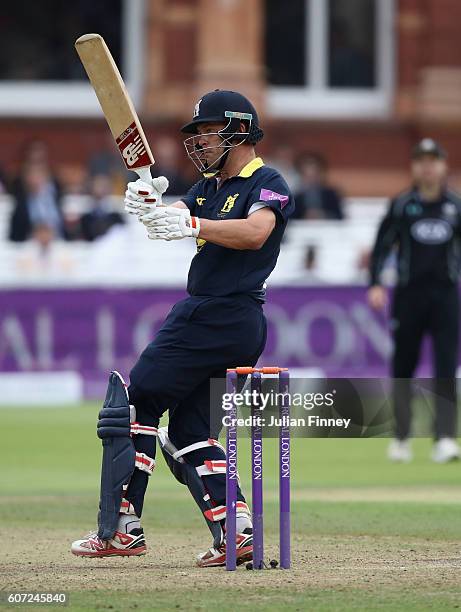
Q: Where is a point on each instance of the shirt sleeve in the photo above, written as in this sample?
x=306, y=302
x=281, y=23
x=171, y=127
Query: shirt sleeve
x=256, y=206
x=272, y=192
x=190, y=199
x=385, y=240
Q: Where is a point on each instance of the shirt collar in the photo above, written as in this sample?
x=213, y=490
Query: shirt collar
x=251, y=167
x=443, y=194
x=245, y=172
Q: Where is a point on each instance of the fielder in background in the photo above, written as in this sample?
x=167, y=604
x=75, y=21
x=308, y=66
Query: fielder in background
x=237, y=213
x=424, y=223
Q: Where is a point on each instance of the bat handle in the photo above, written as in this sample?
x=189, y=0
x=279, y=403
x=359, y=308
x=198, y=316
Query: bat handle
x=144, y=174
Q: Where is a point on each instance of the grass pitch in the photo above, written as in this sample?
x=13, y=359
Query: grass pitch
x=367, y=535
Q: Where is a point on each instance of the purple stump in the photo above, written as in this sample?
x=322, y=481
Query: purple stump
x=231, y=476
x=284, y=482
x=257, y=473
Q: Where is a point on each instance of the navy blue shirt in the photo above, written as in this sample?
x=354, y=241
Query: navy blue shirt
x=220, y=271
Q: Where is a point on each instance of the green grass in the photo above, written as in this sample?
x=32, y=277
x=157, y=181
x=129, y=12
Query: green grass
x=355, y=519
x=264, y=598
x=59, y=450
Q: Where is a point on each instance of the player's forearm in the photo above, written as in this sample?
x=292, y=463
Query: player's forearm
x=374, y=274
x=384, y=242
x=237, y=234
x=377, y=258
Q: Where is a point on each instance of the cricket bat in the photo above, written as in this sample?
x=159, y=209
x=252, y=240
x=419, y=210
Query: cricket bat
x=116, y=104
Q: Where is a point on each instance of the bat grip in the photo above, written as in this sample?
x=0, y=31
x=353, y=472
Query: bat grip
x=144, y=174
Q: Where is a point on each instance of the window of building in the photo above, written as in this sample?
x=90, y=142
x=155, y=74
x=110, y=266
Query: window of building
x=329, y=57
x=286, y=52
x=40, y=72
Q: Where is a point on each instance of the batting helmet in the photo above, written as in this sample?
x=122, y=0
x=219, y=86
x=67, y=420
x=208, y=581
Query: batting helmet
x=231, y=107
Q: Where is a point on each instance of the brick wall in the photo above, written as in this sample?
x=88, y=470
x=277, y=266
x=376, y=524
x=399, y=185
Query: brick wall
x=188, y=50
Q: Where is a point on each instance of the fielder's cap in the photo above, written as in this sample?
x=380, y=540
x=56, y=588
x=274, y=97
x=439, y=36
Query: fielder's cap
x=427, y=146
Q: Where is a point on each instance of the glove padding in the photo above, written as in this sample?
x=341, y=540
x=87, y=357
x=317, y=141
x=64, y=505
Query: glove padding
x=170, y=223
x=142, y=197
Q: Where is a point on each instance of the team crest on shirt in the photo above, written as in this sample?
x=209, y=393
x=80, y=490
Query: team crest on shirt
x=228, y=205
x=200, y=201
x=414, y=209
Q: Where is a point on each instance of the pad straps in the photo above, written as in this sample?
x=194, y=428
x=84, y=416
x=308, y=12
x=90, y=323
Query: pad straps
x=218, y=513
x=196, y=446
x=145, y=430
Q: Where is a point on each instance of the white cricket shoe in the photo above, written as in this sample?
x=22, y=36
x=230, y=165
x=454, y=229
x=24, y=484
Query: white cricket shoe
x=400, y=451
x=216, y=557
x=445, y=450
x=121, y=545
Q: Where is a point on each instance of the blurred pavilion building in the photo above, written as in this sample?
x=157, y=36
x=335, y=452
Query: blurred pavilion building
x=358, y=81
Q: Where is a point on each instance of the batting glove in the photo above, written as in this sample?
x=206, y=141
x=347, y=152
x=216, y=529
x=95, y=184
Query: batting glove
x=142, y=197
x=170, y=223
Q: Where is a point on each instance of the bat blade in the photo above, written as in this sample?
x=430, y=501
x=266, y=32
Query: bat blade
x=115, y=102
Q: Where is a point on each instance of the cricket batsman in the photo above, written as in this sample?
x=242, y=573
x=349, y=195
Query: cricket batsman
x=237, y=213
